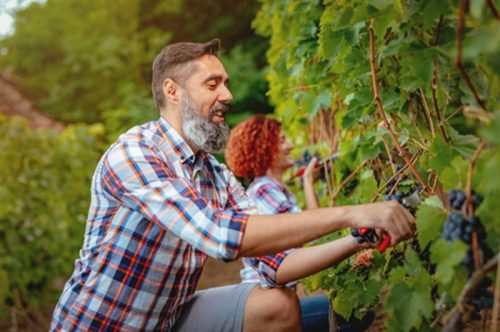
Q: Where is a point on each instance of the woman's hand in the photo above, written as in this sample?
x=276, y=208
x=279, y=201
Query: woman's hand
x=312, y=171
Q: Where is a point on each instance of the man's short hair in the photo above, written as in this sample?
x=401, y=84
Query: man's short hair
x=175, y=61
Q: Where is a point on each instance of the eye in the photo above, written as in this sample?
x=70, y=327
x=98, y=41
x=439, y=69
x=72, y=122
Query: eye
x=212, y=85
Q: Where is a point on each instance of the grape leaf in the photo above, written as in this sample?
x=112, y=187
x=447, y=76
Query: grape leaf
x=430, y=219
x=408, y=305
x=447, y=255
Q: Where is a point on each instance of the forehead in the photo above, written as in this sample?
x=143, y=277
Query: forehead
x=209, y=66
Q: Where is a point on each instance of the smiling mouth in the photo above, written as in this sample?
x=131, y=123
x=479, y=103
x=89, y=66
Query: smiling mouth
x=219, y=113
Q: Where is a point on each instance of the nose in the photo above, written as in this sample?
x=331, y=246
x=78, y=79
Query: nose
x=225, y=95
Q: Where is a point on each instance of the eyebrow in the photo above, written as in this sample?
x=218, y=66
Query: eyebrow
x=216, y=77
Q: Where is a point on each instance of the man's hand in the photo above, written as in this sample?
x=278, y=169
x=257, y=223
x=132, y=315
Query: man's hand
x=390, y=217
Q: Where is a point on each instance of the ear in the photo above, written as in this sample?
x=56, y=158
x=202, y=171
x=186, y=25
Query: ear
x=171, y=91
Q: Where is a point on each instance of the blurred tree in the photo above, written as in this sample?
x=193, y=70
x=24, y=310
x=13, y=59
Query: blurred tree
x=82, y=60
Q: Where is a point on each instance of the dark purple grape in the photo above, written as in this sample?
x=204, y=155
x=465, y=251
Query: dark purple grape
x=466, y=237
x=388, y=198
x=459, y=200
x=456, y=217
x=452, y=194
x=477, y=199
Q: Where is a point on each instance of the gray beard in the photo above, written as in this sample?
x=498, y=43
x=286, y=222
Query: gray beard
x=201, y=132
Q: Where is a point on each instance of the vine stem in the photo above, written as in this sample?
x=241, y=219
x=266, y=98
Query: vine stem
x=496, y=303
x=468, y=202
x=434, y=84
x=453, y=319
x=458, y=59
x=347, y=179
x=427, y=112
x=492, y=8
x=401, y=151
x=322, y=135
x=414, y=118
x=389, y=155
x=402, y=170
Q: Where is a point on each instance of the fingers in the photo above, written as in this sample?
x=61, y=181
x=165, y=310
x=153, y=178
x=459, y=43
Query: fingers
x=404, y=224
x=309, y=171
x=312, y=164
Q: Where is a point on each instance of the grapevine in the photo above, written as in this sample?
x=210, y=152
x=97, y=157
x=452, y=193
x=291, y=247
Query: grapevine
x=412, y=91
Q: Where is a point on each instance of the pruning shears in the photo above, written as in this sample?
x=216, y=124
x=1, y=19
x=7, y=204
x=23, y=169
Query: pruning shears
x=412, y=201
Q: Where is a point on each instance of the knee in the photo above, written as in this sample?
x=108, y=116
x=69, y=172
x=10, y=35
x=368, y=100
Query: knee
x=278, y=308
x=286, y=307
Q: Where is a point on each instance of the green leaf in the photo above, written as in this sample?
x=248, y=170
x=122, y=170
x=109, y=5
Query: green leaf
x=442, y=154
x=366, y=187
x=455, y=175
x=490, y=132
x=408, y=306
x=447, y=255
x=430, y=219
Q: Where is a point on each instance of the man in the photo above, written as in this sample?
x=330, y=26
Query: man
x=161, y=203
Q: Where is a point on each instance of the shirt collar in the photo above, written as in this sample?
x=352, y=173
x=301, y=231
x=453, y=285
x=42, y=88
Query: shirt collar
x=267, y=178
x=179, y=145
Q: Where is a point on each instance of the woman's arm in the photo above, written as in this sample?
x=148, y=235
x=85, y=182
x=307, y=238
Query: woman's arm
x=310, y=175
x=303, y=262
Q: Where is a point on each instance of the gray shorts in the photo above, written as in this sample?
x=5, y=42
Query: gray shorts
x=218, y=309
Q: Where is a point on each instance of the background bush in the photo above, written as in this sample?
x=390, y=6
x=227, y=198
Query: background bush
x=44, y=198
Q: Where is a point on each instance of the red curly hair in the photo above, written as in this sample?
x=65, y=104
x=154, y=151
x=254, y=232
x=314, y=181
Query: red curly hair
x=252, y=146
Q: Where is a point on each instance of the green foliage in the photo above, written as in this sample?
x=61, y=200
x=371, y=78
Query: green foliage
x=84, y=61
x=436, y=111
x=73, y=56
x=44, y=200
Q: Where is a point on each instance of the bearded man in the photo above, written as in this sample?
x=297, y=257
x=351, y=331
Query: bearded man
x=161, y=204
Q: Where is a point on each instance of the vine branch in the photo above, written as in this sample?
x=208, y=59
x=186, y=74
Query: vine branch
x=413, y=160
x=492, y=8
x=468, y=202
x=454, y=319
x=427, y=112
x=347, y=179
x=401, y=151
x=434, y=85
x=458, y=59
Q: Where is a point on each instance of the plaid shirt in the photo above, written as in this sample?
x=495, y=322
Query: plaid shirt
x=270, y=197
x=157, y=211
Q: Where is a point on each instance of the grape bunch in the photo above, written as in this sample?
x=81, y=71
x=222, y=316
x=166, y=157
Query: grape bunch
x=364, y=235
x=483, y=298
x=460, y=227
x=457, y=225
x=457, y=197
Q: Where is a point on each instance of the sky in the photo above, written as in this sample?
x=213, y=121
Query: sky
x=6, y=8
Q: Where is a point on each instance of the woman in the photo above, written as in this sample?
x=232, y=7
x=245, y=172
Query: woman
x=259, y=151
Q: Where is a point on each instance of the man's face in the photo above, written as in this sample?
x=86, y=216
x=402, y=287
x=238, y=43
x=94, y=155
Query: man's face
x=204, y=103
x=283, y=160
x=207, y=87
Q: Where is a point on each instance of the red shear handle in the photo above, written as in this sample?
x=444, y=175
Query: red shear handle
x=302, y=169
x=363, y=231
x=386, y=241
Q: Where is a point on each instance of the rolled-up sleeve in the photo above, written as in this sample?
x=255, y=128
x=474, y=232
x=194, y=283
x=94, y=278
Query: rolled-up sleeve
x=270, y=200
x=267, y=268
x=135, y=175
